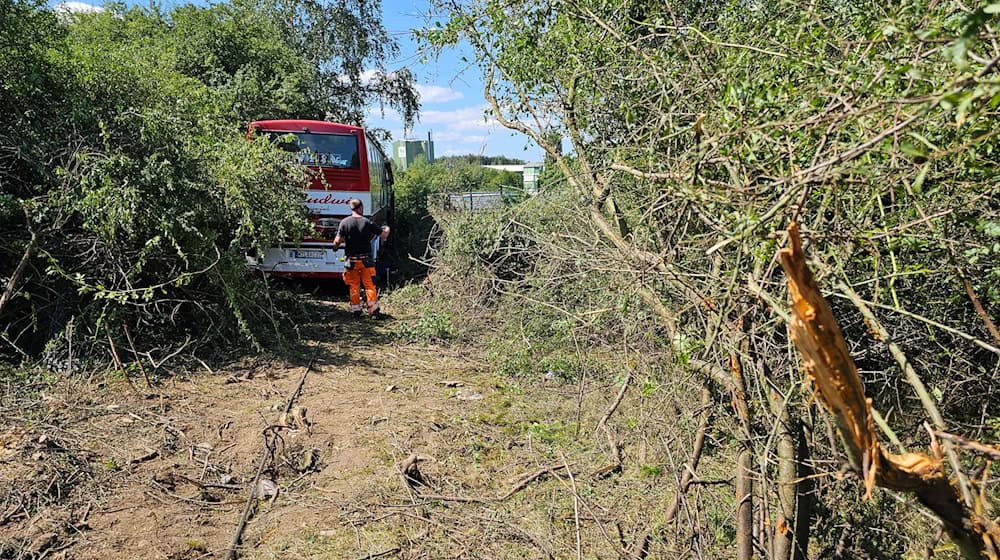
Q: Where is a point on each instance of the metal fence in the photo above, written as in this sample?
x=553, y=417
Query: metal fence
x=469, y=201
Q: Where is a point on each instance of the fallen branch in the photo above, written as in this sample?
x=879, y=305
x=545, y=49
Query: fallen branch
x=616, y=450
x=688, y=477
x=118, y=361
x=410, y=472
x=988, y=450
x=522, y=483
x=265, y=455
x=138, y=360
x=829, y=365
x=15, y=277
x=384, y=553
x=640, y=545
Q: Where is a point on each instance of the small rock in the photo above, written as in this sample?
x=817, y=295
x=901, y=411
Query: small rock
x=391, y=388
x=468, y=396
x=204, y=447
x=265, y=489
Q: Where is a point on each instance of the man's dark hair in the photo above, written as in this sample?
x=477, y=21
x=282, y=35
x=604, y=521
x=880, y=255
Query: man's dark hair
x=355, y=204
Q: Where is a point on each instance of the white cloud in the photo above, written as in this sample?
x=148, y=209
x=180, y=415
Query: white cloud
x=446, y=135
x=463, y=130
x=367, y=75
x=468, y=118
x=428, y=93
x=437, y=94
x=457, y=136
x=77, y=8
x=379, y=113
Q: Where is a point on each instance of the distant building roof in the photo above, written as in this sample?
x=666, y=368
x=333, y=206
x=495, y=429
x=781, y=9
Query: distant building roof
x=514, y=168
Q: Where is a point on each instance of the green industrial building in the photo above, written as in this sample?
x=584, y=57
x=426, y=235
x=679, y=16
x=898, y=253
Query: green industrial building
x=405, y=152
x=532, y=173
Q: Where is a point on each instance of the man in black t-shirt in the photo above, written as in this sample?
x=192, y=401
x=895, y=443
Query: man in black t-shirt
x=356, y=232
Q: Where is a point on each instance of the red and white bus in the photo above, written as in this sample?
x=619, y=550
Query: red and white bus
x=346, y=162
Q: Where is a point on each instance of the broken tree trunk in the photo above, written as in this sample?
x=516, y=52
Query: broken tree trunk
x=828, y=364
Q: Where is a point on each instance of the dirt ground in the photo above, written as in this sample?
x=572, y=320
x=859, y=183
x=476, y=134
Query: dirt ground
x=96, y=470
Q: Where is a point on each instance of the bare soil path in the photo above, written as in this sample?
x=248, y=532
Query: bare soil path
x=90, y=469
x=171, y=466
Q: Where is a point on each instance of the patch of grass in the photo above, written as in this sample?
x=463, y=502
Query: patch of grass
x=477, y=449
x=429, y=325
x=649, y=387
x=555, y=433
x=26, y=380
x=651, y=471
x=493, y=418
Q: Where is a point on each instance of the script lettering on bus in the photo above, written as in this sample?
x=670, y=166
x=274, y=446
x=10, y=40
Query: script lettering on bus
x=328, y=199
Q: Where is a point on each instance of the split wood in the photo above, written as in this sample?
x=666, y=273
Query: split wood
x=829, y=366
x=266, y=453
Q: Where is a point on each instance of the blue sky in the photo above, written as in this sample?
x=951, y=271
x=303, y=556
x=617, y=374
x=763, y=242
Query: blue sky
x=451, y=91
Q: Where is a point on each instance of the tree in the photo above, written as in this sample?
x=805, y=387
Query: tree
x=130, y=191
x=697, y=131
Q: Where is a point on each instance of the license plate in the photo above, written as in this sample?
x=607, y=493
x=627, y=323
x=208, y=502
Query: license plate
x=307, y=254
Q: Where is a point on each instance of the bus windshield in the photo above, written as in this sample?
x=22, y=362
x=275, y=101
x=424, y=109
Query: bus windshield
x=322, y=150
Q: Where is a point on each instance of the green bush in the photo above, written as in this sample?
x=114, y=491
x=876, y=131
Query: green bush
x=128, y=178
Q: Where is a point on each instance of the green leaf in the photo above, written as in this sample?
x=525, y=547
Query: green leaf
x=918, y=182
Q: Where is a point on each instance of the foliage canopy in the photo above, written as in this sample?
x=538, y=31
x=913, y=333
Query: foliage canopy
x=128, y=184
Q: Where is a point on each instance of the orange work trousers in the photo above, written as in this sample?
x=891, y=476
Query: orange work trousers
x=353, y=277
